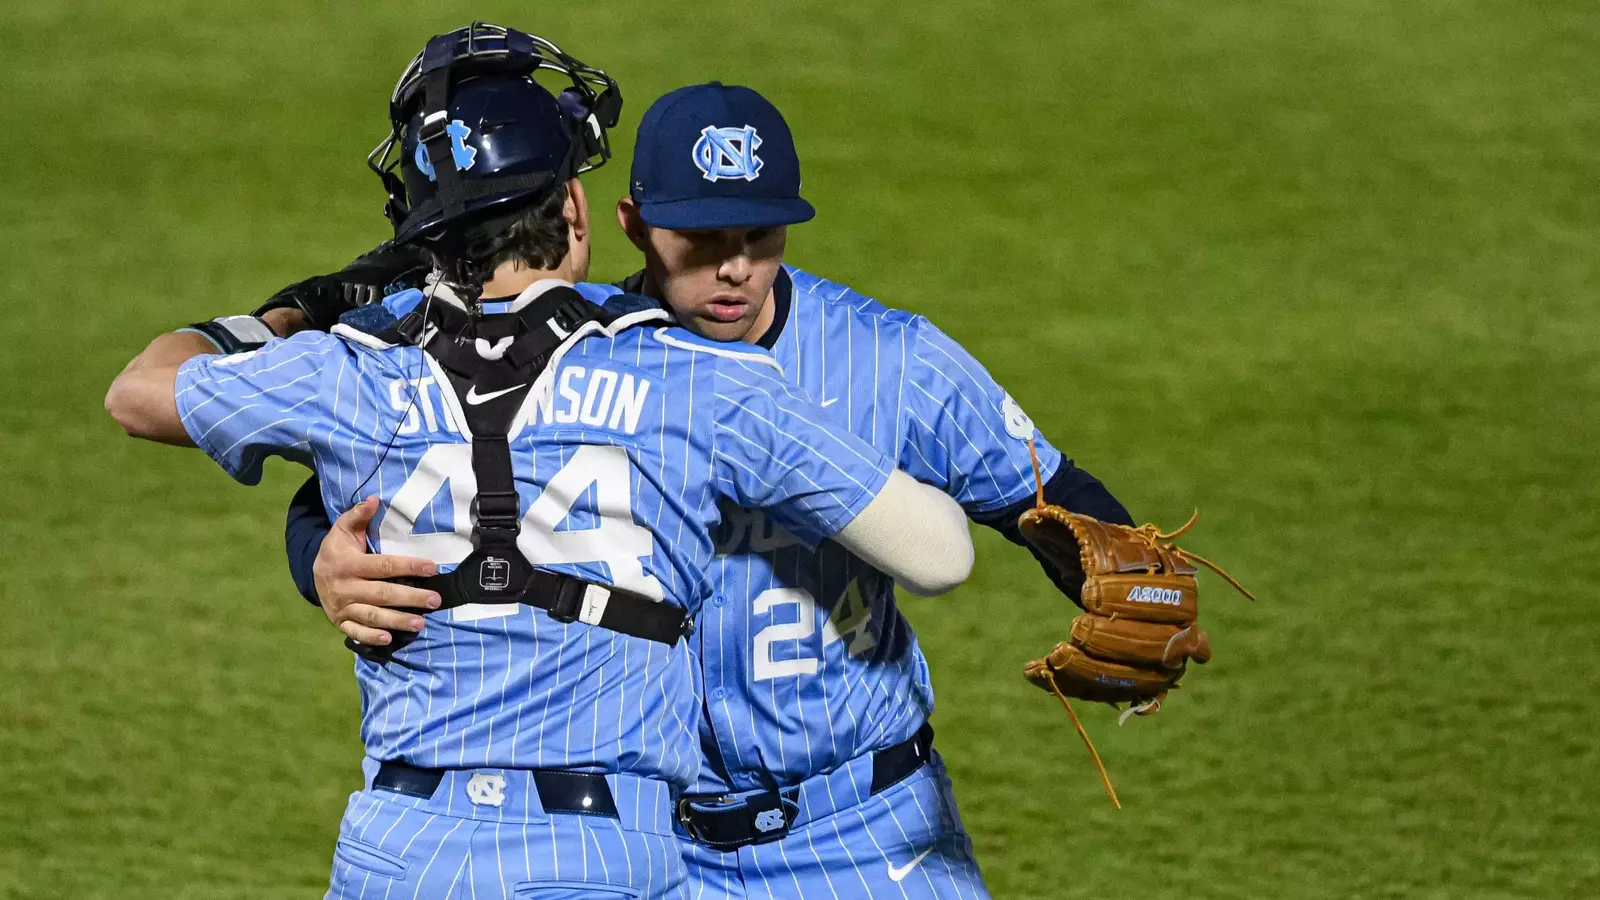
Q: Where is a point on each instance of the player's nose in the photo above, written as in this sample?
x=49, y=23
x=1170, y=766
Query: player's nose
x=736, y=268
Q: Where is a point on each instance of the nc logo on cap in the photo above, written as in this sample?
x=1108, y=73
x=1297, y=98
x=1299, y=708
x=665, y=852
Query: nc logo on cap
x=728, y=153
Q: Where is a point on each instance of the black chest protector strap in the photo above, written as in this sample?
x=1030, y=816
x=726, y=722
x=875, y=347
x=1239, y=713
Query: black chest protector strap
x=492, y=362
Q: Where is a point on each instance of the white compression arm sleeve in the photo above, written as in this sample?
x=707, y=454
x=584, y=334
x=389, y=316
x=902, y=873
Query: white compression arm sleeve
x=913, y=533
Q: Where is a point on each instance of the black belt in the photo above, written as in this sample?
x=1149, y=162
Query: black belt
x=560, y=791
x=728, y=823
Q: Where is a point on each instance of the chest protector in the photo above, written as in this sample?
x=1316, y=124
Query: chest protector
x=492, y=362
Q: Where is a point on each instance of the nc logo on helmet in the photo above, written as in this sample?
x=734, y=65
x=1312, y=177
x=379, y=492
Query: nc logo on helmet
x=463, y=155
x=728, y=153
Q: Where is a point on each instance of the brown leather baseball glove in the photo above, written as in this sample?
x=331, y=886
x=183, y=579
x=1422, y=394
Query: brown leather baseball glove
x=1139, y=627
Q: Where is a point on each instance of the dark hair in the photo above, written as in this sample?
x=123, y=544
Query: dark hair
x=536, y=238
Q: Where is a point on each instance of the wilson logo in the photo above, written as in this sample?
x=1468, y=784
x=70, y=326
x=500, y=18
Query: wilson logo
x=1164, y=596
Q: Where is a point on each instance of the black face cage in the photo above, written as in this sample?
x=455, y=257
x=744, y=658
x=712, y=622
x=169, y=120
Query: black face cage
x=592, y=105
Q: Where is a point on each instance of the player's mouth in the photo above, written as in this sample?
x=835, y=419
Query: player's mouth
x=727, y=308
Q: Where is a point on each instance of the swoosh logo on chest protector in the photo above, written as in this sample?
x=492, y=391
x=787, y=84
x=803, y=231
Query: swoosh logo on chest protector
x=474, y=398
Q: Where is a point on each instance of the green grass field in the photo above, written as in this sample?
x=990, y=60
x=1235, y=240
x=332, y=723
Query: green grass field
x=1326, y=270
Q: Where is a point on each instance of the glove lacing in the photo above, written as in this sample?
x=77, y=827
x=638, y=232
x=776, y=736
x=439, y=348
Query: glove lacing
x=1105, y=777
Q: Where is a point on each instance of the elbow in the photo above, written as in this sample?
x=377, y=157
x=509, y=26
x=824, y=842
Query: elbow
x=946, y=571
x=120, y=407
x=948, y=559
x=122, y=403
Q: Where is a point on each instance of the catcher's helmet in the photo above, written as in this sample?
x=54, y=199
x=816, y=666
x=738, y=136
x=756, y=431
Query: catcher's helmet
x=475, y=133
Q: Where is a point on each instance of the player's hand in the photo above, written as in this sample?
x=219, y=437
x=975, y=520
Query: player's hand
x=349, y=582
x=322, y=299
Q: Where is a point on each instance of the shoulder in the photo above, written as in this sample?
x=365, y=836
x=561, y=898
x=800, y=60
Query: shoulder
x=597, y=293
x=835, y=298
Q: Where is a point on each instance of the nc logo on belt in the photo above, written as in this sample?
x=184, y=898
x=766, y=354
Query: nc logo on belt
x=727, y=153
x=769, y=820
x=484, y=789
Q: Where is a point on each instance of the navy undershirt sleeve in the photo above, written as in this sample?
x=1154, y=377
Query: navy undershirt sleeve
x=1072, y=489
x=307, y=525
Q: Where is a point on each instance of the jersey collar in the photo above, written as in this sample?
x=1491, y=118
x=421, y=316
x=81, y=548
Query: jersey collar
x=782, y=301
x=440, y=290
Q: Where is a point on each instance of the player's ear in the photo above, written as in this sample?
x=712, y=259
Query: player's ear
x=576, y=210
x=633, y=224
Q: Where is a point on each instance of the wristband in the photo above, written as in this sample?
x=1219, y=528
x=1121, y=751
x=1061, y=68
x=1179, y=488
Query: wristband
x=234, y=334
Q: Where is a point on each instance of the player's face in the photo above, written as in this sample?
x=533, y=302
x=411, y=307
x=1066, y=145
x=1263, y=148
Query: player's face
x=718, y=282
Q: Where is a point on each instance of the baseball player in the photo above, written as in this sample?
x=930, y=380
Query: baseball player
x=818, y=779
x=563, y=465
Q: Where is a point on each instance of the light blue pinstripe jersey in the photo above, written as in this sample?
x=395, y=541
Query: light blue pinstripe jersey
x=807, y=660
x=624, y=449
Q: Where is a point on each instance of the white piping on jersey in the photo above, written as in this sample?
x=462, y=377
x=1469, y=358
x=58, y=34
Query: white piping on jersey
x=447, y=396
x=740, y=355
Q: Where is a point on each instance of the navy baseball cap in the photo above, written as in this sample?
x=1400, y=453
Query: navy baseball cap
x=716, y=156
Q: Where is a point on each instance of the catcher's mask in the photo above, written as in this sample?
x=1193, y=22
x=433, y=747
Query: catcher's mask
x=475, y=133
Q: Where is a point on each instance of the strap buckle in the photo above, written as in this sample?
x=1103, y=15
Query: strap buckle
x=567, y=604
x=498, y=510
x=572, y=312
x=433, y=126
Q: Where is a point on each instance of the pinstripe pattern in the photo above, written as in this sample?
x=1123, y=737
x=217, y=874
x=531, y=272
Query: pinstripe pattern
x=844, y=675
x=710, y=425
x=911, y=829
x=904, y=387
x=392, y=846
x=686, y=421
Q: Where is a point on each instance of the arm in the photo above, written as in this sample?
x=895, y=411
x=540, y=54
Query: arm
x=303, y=533
x=333, y=569
x=775, y=451
x=141, y=398
x=317, y=303
x=239, y=408
x=967, y=435
x=913, y=533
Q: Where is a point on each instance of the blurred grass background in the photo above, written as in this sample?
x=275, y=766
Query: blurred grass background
x=1326, y=270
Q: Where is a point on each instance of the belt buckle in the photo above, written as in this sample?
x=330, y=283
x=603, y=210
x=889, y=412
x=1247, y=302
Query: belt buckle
x=568, y=601
x=686, y=819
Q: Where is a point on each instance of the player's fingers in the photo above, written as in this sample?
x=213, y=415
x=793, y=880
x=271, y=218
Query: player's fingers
x=371, y=636
x=379, y=565
x=378, y=617
x=355, y=519
x=384, y=593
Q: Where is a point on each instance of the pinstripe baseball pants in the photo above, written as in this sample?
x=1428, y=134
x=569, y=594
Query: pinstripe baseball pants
x=483, y=835
x=906, y=842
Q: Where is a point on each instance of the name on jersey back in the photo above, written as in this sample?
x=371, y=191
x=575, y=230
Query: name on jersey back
x=590, y=396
